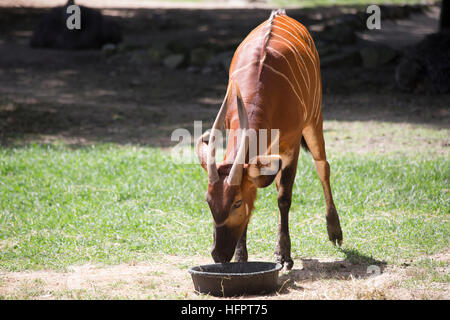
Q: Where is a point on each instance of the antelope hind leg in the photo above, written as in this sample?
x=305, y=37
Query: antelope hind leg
x=316, y=144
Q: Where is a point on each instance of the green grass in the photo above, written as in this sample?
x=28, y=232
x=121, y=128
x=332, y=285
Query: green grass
x=112, y=204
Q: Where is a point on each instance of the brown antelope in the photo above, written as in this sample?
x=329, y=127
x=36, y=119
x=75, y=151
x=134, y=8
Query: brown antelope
x=274, y=83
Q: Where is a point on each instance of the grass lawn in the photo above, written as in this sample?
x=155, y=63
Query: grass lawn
x=61, y=206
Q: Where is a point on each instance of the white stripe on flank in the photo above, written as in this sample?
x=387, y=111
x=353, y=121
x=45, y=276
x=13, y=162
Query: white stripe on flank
x=296, y=33
x=297, y=55
x=301, y=39
x=318, y=110
x=314, y=106
x=297, y=27
x=318, y=92
x=245, y=42
x=290, y=83
x=237, y=53
x=313, y=60
x=292, y=71
x=277, y=72
x=316, y=102
x=297, y=40
x=297, y=63
x=245, y=67
x=318, y=106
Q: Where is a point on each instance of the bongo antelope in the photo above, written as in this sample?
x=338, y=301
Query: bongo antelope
x=274, y=83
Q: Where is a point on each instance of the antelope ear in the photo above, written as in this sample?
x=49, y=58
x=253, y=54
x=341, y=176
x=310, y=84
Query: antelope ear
x=201, y=148
x=262, y=170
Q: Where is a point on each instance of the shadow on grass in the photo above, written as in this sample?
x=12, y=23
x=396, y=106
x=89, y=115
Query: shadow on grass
x=354, y=266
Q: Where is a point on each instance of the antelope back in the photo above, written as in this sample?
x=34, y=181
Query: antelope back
x=278, y=70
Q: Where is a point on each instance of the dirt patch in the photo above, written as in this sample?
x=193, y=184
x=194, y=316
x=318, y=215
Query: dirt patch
x=168, y=279
x=319, y=279
x=165, y=279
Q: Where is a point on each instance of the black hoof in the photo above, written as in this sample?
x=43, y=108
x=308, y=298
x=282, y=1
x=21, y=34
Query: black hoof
x=335, y=235
x=286, y=262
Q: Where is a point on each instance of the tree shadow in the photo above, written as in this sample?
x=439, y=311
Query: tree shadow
x=355, y=266
x=87, y=97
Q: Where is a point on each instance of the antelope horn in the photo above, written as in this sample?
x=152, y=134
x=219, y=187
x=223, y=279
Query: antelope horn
x=213, y=174
x=236, y=172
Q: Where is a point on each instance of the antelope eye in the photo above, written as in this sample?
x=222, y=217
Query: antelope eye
x=237, y=204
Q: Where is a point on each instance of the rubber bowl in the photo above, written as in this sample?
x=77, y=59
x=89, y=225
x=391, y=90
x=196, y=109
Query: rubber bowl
x=236, y=278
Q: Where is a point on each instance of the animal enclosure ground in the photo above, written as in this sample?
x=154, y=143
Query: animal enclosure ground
x=427, y=278
x=88, y=187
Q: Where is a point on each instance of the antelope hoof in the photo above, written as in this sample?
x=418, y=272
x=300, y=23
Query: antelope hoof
x=285, y=261
x=334, y=227
x=335, y=234
x=283, y=251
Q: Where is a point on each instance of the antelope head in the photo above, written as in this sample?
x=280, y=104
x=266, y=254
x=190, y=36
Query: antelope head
x=232, y=186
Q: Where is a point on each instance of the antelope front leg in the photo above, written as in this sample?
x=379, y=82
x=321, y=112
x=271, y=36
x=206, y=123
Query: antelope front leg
x=284, y=186
x=240, y=254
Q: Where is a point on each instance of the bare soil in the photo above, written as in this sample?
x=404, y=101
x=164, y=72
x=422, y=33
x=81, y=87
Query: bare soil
x=310, y=279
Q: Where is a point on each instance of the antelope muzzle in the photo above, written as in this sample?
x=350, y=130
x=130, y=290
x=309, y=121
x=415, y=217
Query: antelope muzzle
x=224, y=244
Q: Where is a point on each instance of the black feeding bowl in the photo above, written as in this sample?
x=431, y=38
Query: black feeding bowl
x=236, y=278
